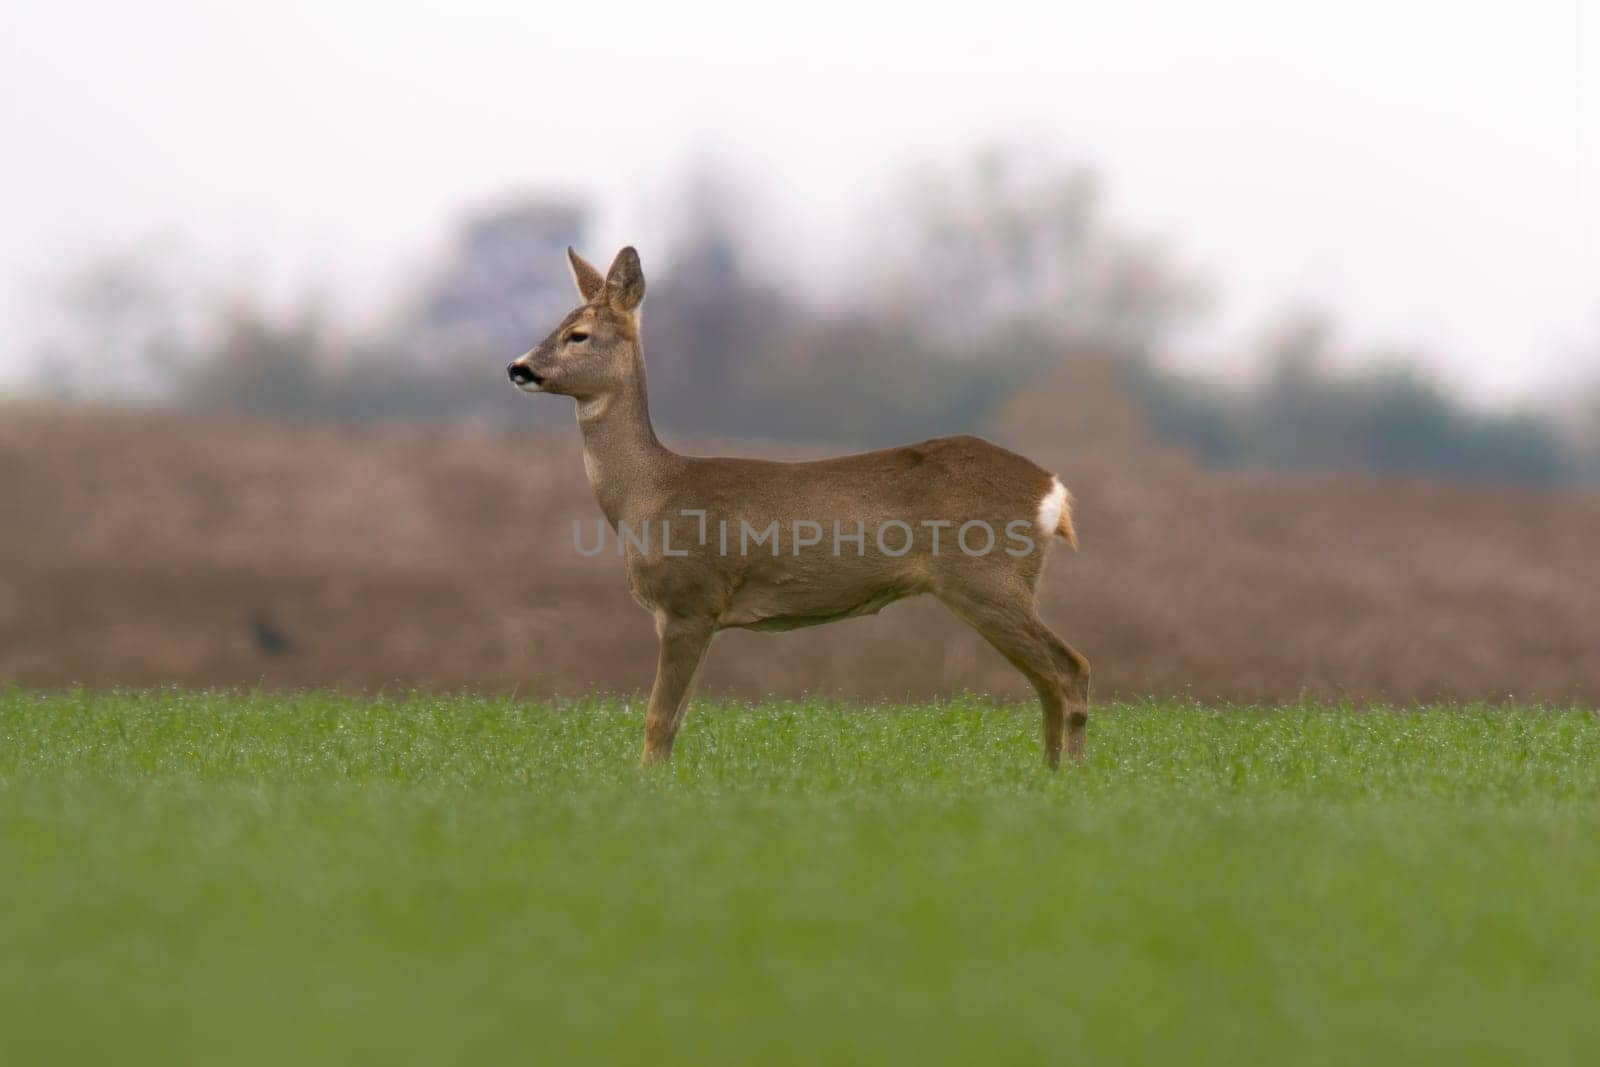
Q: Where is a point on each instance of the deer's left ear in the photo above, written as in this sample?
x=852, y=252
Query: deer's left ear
x=589, y=281
x=625, y=281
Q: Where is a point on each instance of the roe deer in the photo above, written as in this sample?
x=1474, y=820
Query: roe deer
x=885, y=510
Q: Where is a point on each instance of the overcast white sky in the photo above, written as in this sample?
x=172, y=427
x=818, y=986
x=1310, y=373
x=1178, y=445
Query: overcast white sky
x=1428, y=171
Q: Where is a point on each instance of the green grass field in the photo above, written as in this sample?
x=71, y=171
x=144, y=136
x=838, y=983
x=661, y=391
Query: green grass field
x=190, y=878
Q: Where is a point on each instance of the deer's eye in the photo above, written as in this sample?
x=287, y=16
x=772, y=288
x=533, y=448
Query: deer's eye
x=577, y=337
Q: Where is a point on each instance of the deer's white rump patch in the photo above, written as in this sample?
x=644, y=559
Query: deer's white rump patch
x=1052, y=507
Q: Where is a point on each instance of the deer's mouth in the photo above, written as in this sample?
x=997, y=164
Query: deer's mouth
x=523, y=377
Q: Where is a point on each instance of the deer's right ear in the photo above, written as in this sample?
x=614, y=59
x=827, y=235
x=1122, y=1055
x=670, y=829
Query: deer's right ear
x=625, y=282
x=590, y=281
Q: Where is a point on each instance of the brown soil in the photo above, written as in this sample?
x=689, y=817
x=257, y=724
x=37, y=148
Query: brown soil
x=137, y=550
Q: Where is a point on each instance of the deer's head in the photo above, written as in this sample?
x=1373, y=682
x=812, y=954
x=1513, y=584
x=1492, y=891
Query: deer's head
x=595, y=350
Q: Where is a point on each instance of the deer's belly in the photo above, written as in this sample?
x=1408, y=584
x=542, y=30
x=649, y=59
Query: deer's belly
x=792, y=604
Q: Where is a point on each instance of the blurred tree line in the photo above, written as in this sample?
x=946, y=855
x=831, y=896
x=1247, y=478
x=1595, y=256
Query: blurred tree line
x=1011, y=306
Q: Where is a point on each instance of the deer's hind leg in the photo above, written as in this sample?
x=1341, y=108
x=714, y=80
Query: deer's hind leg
x=683, y=649
x=1058, y=672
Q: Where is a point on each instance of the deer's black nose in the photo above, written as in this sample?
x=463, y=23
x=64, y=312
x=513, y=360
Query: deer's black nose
x=521, y=375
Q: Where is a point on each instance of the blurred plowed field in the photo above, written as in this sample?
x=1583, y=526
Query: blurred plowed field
x=141, y=550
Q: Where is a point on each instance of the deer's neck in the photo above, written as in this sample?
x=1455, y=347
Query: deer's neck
x=625, y=462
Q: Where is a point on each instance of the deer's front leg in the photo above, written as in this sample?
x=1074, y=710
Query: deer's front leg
x=683, y=646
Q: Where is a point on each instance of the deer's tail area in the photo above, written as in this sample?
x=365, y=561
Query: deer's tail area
x=1064, y=527
x=1055, y=512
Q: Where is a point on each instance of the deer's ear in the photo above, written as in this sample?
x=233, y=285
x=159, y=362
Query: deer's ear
x=590, y=283
x=625, y=281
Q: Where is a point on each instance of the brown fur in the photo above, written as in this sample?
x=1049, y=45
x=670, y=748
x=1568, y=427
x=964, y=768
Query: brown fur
x=1064, y=527
x=697, y=583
